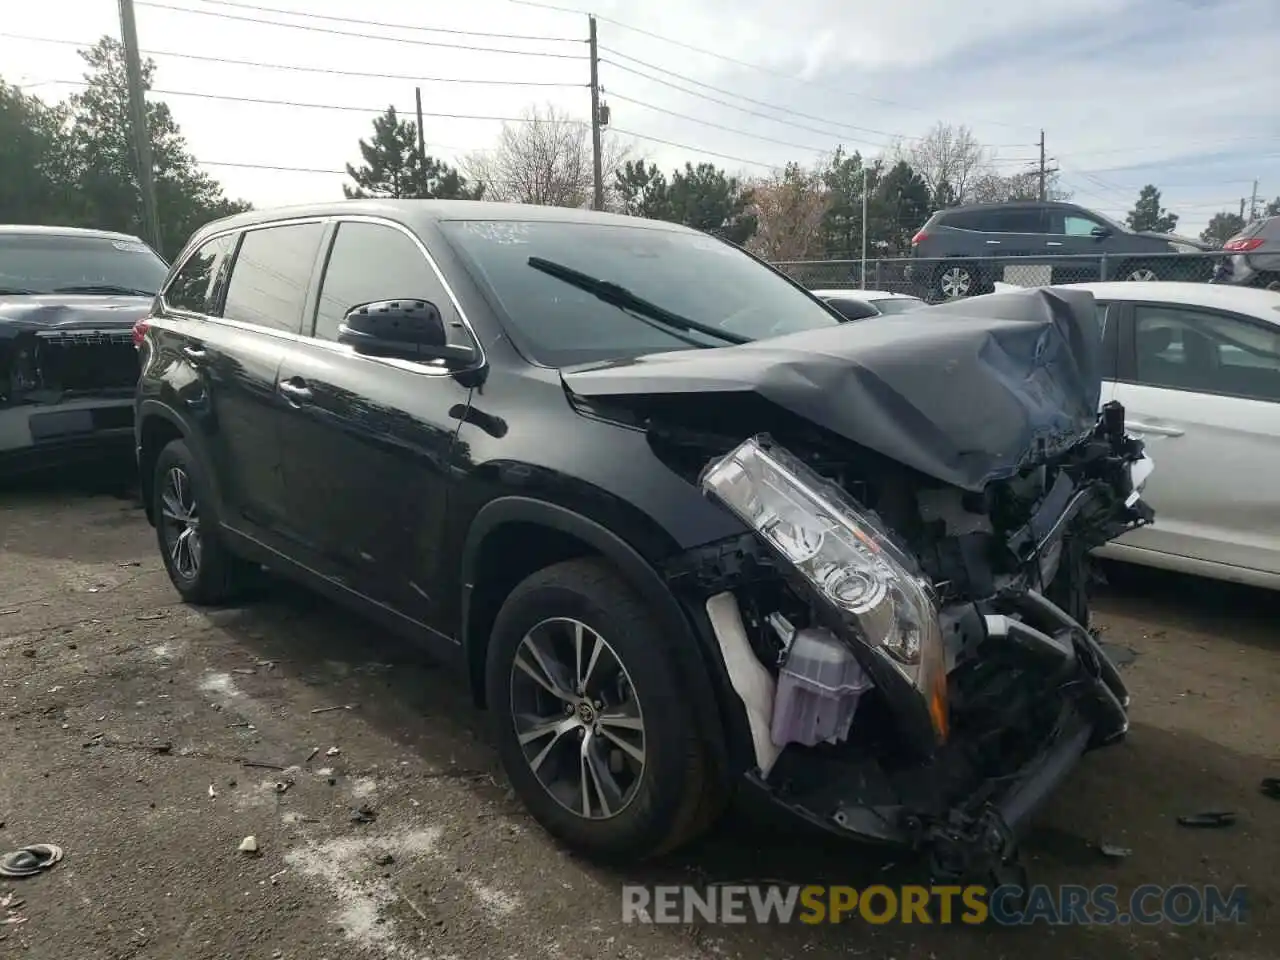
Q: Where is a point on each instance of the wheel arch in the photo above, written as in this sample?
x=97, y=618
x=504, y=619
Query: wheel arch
x=560, y=533
x=158, y=426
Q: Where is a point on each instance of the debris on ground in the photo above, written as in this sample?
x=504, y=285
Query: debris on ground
x=249, y=845
x=28, y=861
x=312, y=755
x=384, y=859
x=1114, y=852
x=363, y=814
x=332, y=752
x=1270, y=787
x=11, y=903
x=213, y=794
x=341, y=706
x=1211, y=818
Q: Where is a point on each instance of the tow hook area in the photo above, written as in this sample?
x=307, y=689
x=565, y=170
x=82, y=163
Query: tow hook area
x=965, y=850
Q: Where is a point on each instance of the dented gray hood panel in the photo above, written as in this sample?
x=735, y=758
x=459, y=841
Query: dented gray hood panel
x=966, y=392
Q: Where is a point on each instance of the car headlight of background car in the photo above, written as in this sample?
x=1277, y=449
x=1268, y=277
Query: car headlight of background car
x=846, y=559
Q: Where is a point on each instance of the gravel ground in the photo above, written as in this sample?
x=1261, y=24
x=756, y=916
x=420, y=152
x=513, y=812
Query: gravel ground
x=129, y=724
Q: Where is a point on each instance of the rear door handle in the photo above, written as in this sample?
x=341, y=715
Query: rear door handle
x=1053, y=243
x=195, y=353
x=1157, y=429
x=295, y=390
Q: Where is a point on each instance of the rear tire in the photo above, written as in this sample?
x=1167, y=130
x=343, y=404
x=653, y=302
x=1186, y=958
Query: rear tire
x=199, y=565
x=1138, y=271
x=647, y=785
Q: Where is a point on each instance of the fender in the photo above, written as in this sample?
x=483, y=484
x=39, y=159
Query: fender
x=639, y=573
x=158, y=409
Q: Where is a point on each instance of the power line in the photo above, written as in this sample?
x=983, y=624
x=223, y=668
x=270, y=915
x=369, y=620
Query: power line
x=375, y=23
x=304, y=69
x=320, y=106
x=685, y=146
x=267, y=166
x=748, y=65
x=360, y=36
x=718, y=126
x=760, y=103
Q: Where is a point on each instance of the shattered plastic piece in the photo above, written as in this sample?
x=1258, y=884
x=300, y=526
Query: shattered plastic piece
x=1212, y=818
x=28, y=861
x=213, y=794
x=1114, y=852
x=249, y=845
x=1271, y=787
x=363, y=814
x=312, y=755
x=384, y=859
x=332, y=752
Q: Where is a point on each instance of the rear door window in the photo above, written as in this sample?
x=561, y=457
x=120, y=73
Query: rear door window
x=270, y=274
x=1017, y=220
x=964, y=220
x=192, y=289
x=1186, y=349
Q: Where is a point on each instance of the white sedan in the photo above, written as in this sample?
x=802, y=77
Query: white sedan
x=1197, y=368
x=855, y=304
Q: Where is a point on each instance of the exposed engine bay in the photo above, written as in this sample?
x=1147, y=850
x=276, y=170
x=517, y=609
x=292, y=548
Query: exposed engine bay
x=904, y=649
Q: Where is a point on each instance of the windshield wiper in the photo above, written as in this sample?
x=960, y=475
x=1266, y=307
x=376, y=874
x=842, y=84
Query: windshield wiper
x=105, y=288
x=15, y=292
x=620, y=296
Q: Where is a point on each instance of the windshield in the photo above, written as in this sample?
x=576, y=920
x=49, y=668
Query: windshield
x=52, y=263
x=897, y=304
x=698, y=278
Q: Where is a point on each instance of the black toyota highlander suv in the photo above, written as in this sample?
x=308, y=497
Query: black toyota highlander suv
x=677, y=526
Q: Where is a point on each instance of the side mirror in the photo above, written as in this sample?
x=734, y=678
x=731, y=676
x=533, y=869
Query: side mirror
x=408, y=329
x=1100, y=232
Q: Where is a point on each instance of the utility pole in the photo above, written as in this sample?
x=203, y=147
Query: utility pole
x=422, y=137
x=1042, y=170
x=866, y=189
x=1253, y=203
x=596, y=161
x=1242, y=208
x=141, y=130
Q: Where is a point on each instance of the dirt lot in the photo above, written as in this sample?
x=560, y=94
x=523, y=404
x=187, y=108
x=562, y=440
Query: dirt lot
x=126, y=718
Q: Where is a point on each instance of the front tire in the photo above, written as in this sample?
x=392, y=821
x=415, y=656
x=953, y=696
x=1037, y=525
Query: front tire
x=199, y=565
x=1138, y=271
x=594, y=725
x=954, y=281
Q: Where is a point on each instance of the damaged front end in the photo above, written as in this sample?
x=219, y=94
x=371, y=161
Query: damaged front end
x=909, y=679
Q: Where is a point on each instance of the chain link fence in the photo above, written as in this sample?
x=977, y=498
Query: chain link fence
x=951, y=278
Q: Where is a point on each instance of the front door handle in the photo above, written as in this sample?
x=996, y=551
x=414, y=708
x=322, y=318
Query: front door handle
x=1155, y=428
x=295, y=390
x=195, y=353
x=1053, y=243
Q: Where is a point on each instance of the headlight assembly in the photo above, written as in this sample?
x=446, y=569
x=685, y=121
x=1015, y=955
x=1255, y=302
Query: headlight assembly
x=846, y=559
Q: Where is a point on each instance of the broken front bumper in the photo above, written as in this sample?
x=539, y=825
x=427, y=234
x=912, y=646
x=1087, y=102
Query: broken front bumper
x=965, y=822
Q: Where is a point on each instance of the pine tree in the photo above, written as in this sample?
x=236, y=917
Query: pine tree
x=394, y=169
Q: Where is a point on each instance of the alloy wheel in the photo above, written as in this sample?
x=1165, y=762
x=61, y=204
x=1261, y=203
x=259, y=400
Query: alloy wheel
x=180, y=517
x=955, y=283
x=1142, y=274
x=577, y=718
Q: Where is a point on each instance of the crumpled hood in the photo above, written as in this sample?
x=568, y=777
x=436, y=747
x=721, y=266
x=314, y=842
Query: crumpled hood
x=966, y=392
x=45, y=311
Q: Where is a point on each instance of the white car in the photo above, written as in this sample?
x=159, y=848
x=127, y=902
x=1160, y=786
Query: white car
x=1197, y=368
x=855, y=304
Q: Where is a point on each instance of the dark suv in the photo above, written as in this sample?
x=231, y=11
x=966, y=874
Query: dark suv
x=964, y=250
x=676, y=525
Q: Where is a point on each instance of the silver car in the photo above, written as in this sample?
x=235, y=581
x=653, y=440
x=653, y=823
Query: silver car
x=1255, y=256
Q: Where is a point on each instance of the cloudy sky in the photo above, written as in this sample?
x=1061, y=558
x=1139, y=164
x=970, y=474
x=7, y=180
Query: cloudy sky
x=1179, y=93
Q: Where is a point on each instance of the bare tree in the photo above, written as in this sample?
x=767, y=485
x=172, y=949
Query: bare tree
x=545, y=159
x=947, y=157
x=789, y=206
x=988, y=186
